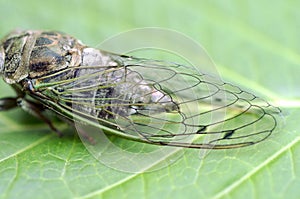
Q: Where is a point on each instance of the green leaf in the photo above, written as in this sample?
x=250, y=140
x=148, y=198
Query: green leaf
x=255, y=46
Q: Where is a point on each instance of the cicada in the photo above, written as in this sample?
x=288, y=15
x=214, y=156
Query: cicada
x=145, y=100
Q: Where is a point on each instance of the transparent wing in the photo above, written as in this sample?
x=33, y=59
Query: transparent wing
x=160, y=103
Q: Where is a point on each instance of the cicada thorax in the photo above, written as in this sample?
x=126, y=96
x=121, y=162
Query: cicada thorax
x=32, y=54
x=53, y=52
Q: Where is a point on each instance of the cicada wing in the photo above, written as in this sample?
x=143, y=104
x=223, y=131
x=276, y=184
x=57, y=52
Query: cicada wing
x=163, y=103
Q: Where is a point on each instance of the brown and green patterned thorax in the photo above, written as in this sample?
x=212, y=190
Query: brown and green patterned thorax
x=36, y=53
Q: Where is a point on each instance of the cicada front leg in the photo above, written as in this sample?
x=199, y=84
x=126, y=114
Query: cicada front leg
x=8, y=103
x=29, y=106
x=37, y=109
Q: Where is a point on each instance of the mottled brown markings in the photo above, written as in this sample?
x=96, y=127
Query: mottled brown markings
x=41, y=41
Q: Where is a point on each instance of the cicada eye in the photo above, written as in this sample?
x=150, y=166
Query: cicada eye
x=1, y=59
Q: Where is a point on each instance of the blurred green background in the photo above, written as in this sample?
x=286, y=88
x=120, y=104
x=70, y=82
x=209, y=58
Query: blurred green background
x=255, y=44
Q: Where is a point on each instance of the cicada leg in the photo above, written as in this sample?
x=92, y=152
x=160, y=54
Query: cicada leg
x=8, y=103
x=36, y=110
x=29, y=106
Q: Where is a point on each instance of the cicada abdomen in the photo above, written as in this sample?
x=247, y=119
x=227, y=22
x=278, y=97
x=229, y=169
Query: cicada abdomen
x=146, y=100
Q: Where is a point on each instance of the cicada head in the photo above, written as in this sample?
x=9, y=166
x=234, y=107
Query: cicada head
x=11, y=56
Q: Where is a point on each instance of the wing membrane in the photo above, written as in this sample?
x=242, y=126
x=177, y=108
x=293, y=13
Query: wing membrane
x=160, y=103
